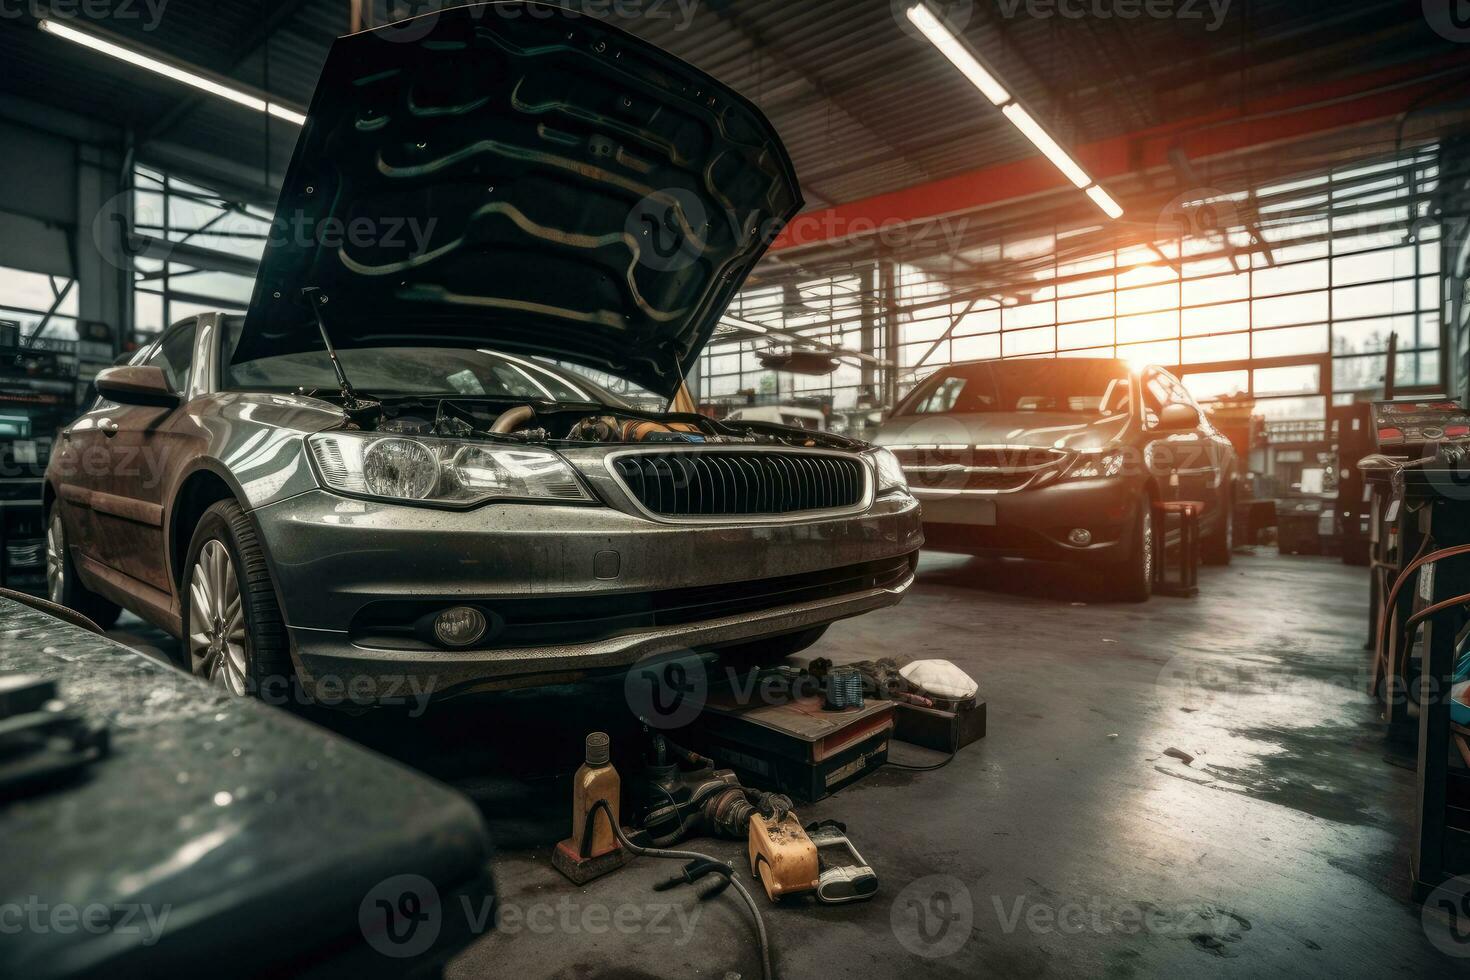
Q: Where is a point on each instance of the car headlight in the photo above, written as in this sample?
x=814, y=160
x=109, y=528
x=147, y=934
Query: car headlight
x=1094, y=465
x=890, y=472
x=441, y=471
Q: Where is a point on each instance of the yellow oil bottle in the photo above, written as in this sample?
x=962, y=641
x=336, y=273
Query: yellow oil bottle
x=595, y=780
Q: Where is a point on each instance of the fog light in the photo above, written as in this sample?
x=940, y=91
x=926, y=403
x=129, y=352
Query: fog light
x=1080, y=536
x=459, y=626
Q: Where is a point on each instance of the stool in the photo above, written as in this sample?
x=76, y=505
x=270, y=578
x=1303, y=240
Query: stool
x=1187, y=512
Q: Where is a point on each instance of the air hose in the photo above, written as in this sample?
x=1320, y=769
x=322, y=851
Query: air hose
x=712, y=864
x=1385, y=610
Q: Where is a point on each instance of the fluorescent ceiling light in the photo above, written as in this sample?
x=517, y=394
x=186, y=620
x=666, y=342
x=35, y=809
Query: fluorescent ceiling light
x=952, y=48
x=290, y=115
x=173, y=72
x=1101, y=199
x=1049, y=147
x=955, y=50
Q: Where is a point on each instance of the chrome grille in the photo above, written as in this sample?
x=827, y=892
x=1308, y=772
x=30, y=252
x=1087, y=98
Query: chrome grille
x=984, y=468
x=1004, y=458
x=716, y=484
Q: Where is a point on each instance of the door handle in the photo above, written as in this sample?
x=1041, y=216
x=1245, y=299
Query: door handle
x=108, y=427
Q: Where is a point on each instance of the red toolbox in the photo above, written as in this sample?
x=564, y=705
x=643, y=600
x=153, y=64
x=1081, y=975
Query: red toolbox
x=794, y=747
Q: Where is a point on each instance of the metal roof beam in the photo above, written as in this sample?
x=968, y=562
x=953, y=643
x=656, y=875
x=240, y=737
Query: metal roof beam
x=250, y=46
x=1305, y=112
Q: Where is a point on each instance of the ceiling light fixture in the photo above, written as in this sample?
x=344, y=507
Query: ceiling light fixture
x=1103, y=200
x=172, y=71
x=970, y=65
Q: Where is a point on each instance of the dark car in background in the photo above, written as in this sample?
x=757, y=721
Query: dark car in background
x=1062, y=460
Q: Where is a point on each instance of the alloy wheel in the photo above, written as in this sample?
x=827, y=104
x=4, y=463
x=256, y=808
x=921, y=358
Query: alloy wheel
x=217, y=619
x=55, y=559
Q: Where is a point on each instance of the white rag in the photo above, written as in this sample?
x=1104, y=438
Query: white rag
x=940, y=678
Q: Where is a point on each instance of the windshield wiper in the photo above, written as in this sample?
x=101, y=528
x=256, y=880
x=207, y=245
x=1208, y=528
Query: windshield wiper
x=352, y=403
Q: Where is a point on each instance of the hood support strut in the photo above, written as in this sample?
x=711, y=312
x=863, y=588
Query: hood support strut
x=353, y=405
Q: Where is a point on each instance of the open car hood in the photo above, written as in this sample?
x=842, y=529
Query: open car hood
x=520, y=177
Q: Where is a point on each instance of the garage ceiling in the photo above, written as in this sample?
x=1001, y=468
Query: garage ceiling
x=866, y=108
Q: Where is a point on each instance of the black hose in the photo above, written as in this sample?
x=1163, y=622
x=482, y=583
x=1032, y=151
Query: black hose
x=938, y=765
x=657, y=852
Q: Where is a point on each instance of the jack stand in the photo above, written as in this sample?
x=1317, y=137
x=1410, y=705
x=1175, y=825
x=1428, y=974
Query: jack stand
x=1187, y=584
x=580, y=870
x=590, y=854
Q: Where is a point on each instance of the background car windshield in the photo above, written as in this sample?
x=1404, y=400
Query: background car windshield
x=1081, y=386
x=409, y=371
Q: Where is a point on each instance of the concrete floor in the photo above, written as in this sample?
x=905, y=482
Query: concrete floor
x=1065, y=843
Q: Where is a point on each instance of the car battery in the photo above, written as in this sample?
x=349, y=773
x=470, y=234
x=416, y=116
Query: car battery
x=947, y=727
x=794, y=746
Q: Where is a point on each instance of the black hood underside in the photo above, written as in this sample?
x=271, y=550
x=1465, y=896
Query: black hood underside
x=519, y=177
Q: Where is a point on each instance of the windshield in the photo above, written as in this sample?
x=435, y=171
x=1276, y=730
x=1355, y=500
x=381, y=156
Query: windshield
x=1078, y=386
x=386, y=372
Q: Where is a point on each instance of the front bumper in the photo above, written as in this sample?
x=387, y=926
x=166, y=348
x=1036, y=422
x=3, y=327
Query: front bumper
x=1034, y=523
x=338, y=563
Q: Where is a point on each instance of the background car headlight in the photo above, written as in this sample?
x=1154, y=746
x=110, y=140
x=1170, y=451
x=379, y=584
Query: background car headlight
x=1091, y=466
x=890, y=471
x=441, y=471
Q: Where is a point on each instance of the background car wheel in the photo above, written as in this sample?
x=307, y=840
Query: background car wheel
x=233, y=632
x=64, y=586
x=1133, y=579
x=1215, y=549
x=772, y=650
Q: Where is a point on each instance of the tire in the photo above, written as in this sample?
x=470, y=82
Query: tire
x=64, y=586
x=242, y=645
x=772, y=650
x=1132, y=580
x=1215, y=549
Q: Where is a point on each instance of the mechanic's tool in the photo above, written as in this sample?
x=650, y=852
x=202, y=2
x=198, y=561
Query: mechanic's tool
x=844, y=688
x=845, y=876
x=782, y=857
x=700, y=801
x=695, y=870
x=593, y=849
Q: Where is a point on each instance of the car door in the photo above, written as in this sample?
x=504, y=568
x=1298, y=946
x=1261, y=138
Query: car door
x=145, y=446
x=84, y=463
x=1206, y=478
x=1197, y=455
x=1161, y=450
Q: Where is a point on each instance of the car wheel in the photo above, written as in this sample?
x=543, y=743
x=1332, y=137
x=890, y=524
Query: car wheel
x=232, y=624
x=1133, y=579
x=1215, y=549
x=64, y=587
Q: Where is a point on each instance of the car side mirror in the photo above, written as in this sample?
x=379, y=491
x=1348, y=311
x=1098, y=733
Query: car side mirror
x=141, y=384
x=1175, y=418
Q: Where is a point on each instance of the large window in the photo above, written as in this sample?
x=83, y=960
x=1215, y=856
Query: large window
x=202, y=246
x=1288, y=295
x=38, y=307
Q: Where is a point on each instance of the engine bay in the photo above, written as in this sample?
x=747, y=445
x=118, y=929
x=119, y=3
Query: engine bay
x=566, y=425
